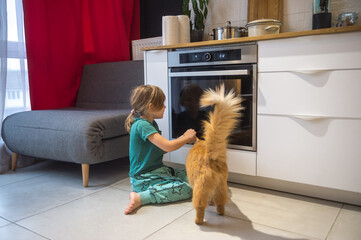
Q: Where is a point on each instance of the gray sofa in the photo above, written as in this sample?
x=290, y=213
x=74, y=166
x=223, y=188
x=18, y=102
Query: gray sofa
x=92, y=131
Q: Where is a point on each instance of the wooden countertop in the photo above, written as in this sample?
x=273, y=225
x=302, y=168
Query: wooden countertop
x=258, y=38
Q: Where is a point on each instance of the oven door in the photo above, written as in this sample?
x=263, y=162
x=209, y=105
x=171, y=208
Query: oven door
x=187, y=84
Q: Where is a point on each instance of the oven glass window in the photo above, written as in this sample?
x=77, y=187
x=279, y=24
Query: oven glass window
x=186, y=113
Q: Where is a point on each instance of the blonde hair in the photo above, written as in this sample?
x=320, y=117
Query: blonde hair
x=140, y=99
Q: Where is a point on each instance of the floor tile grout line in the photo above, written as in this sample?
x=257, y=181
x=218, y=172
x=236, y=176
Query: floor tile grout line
x=121, y=189
x=244, y=220
x=7, y=224
x=119, y=182
x=32, y=231
x=29, y=171
x=7, y=219
x=167, y=224
x=284, y=230
x=261, y=224
x=39, y=175
x=30, y=178
x=334, y=222
x=62, y=204
x=5, y=185
x=57, y=206
x=11, y=222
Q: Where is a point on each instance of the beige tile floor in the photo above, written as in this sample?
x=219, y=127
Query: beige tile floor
x=47, y=201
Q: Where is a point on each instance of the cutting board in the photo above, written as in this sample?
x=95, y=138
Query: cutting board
x=271, y=9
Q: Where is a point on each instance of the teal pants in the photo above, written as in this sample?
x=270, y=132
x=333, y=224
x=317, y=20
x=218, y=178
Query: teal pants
x=162, y=185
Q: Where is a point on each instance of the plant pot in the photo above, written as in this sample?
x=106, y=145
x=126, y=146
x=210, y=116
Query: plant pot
x=197, y=35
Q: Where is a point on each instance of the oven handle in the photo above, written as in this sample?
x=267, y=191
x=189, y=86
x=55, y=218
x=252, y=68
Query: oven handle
x=244, y=72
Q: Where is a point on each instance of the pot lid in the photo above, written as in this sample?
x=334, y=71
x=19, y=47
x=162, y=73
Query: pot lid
x=226, y=27
x=263, y=21
x=229, y=26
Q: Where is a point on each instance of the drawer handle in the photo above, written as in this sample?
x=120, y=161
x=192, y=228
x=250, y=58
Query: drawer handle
x=309, y=72
x=309, y=118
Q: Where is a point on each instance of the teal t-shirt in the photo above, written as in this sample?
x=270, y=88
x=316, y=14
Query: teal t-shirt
x=144, y=156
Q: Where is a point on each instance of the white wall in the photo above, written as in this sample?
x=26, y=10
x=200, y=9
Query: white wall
x=297, y=14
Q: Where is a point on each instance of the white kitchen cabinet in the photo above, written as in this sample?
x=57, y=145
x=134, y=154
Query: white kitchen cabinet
x=335, y=93
x=156, y=73
x=309, y=110
x=323, y=152
x=311, y=53
x=242, y=162
x=180, y=155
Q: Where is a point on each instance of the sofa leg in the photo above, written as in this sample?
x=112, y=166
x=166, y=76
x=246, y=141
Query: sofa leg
x=85, y=172
x=14, y=160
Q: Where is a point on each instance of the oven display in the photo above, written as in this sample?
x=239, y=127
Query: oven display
x=212, y=56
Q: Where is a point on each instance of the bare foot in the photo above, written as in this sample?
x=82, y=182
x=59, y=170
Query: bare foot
x=134, y=202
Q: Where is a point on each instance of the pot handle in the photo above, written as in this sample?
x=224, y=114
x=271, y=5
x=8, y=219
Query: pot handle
x=242, y=30
x=272, y=28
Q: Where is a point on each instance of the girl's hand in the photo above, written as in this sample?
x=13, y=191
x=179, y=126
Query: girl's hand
x=190, y=134
x=170, y=145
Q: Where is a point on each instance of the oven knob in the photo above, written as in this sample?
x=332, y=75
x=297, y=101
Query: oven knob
x=207, y=57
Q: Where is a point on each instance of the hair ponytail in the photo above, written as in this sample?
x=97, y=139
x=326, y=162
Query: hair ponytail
x=129, y=122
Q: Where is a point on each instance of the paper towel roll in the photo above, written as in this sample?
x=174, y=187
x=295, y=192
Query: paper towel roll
x=184, y=29
x=170, y=30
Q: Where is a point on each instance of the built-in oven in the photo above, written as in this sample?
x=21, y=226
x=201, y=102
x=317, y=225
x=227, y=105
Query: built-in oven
x=191, y=71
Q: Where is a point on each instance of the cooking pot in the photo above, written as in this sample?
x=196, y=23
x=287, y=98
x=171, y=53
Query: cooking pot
x=263, y=27
x=228, y=32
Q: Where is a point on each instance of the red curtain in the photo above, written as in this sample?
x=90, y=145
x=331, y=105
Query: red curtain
x=63, y=35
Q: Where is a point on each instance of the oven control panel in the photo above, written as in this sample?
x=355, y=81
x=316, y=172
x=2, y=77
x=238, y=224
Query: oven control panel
x=212, y=56
x=234, y=54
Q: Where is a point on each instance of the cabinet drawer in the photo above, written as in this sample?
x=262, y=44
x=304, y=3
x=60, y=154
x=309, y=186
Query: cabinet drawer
x=180, y=155
x=317, y=52
x=325, y=153
x=242, y=162
x=327, y=93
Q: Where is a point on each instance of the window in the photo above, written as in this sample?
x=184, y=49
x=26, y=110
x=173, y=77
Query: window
x=17, y=83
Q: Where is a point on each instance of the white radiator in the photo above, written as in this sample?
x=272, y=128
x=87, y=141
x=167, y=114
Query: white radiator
x=145, y=42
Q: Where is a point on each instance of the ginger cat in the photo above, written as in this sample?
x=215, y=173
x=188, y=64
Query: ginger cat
x=206, y=163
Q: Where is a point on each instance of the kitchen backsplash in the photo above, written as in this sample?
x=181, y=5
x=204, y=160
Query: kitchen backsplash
x=297, y=14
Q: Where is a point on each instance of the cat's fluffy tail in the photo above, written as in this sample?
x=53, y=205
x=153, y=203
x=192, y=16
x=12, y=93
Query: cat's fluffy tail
x=221, y=121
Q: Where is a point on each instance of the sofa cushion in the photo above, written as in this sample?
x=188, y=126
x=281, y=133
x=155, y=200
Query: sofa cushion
x=108, y=85
x=65, y=133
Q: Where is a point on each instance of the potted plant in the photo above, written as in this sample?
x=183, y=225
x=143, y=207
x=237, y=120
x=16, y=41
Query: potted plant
x=200, y=10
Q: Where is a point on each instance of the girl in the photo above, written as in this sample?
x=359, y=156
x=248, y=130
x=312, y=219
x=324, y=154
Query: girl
x=153, y=182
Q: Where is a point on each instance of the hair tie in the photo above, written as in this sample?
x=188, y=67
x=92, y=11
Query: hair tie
x=132, y=112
